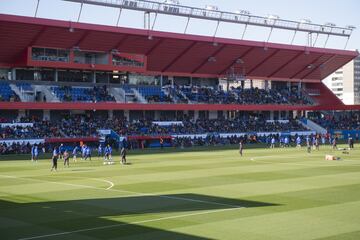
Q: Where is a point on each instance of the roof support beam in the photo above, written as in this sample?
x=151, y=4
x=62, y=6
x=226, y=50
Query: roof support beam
x=207, y=59
x=120, y=43
x=307, y=66
x=317, y=67
x=286, y=64
x=262, y=62
x=37, y=36
x=179, y=56
x=153, y=48
x=234, y=62
x=82, y=38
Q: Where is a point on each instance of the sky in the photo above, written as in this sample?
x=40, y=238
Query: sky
x=340, y=12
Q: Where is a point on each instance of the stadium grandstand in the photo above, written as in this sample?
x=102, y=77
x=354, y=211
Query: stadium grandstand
x=71, y=81
x=110, y=131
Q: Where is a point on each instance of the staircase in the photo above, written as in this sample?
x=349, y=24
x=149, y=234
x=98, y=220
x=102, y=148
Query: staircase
x=313, y=126
x=309, y=96
x=45, y=91
x=172, y=94
x=118, y=93
x=26, y=90
x=63, y=134
x=139, y=96
x=184, y=95
x=18, y=92
x=167, y=92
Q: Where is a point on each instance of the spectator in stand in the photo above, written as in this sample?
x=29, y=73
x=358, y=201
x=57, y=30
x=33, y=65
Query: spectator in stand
x=244, y=96
x=345, y=121
x=75, y=126
x=96, y=94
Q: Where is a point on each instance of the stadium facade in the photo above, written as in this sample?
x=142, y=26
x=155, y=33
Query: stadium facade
x=100, y=52
x=52, y=68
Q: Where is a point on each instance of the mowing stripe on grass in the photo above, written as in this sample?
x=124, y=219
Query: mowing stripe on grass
x=131, y=223
x=125, y=191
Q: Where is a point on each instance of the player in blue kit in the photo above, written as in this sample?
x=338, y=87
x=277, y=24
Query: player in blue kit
x=61, y=151
x=100, y=149
x=287, y=142
x=273, y=141
x=74, y=153
x=34, y=153
x=88, y=153
x=308, y=144
x=298, y=142
x=83, y=151
x=108, y=155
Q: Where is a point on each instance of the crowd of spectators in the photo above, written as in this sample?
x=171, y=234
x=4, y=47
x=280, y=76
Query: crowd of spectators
x=159, y=99
x=68, y=127
x=217, y=140
x=79, y=126
x=84, y=126
x=202, y=126
x=184, y=94
x=122, y=61
x=18, y=148
x=208, y=95
x=39, y=129
x=295, y=97
x=13, y=98
x=338, y=122
x=210, y=140
x=177, y=95
x=75, y=126
x=95, y=94
x=245, y=96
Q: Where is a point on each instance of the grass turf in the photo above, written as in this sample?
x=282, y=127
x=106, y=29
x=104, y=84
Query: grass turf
x=197, y=195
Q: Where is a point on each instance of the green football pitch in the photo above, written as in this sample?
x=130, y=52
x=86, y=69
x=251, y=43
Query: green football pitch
x=279, y=194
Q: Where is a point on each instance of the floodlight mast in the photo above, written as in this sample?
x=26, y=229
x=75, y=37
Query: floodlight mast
x=37, y=8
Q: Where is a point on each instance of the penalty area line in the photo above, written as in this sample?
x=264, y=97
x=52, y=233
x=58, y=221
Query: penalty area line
x=130, y=223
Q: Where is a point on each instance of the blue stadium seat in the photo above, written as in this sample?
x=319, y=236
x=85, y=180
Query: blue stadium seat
x=5, y=91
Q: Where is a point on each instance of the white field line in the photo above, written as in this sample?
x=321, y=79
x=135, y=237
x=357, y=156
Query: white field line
x=130, y=223
x=95, y=179
x=131, y=193
x=111, y=184
x=230, y=207
x=63, y=183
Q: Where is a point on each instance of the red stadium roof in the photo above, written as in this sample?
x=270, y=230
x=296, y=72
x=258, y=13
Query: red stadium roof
x=172, y=53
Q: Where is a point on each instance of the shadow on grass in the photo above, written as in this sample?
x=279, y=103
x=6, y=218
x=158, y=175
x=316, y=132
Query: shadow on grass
x=105, y=218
